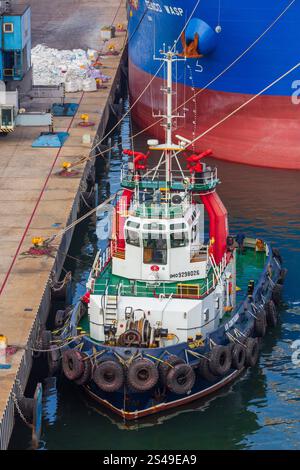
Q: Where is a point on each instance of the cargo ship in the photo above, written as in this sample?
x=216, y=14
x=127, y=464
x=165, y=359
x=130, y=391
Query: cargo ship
x=233, y=51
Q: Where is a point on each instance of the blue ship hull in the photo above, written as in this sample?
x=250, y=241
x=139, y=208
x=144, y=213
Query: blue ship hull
x=243, y=48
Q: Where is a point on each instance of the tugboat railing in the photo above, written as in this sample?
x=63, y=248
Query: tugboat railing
x=102, y=259
x=180, y=180
x=183, y=291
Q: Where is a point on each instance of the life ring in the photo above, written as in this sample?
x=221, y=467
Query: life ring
x=87, y=370
x=272, y=313
x=204, y=370
x=252, y=351
x=72, y=364
x=282, y=276
x=238, y=356
x=180, y=379
x=169, y=362
x=220, y=360
x=276, y=294
x=108, y=375
x=53, y=359
x=142, y=375
x=260, y=323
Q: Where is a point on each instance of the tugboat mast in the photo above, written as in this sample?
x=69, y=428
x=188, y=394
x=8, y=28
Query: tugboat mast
x=169, y=57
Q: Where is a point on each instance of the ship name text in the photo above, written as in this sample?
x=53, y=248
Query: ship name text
x=160, y=8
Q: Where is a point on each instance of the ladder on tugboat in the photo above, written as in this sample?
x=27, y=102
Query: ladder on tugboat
x=111, y=309
x=111, y=306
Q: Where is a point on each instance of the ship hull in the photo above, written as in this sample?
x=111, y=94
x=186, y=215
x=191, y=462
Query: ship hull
x=118, y=408
x=265, y=132
x=130, y=404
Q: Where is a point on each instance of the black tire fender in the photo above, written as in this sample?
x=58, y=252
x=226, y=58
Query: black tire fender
x=276, y=254
x=54, y=359
x=220, y=360
x=72, y=364
x=181, y=379
x=108, y=375
x=238, y=356
x=204, y=370
x=27, y=406
x=142, y=375
x=272, y=314
x=59, y=319
x=46, y=337
x=282, y=276
x=277, y=294
x=169, y=362
x=87, y=371
x=260, y=323
x=252, y=351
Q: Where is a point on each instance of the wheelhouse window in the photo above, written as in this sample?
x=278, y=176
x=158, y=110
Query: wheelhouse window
x=155, y=248
x=179, y=239
x=179, y=235
x=132, y=237
x=133, y=224
x=154, y=226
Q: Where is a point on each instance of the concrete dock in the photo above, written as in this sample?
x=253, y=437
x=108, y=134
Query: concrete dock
x=34, y=201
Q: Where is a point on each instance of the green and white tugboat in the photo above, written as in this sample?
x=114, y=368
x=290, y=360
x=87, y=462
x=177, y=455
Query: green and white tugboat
x=170, y=314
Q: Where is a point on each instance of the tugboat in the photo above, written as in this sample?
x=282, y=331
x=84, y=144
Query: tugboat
x=164, y=320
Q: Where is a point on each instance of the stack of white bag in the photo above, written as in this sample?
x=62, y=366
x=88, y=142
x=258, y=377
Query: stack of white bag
x=53, y=67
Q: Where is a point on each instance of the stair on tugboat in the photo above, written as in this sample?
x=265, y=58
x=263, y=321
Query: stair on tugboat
x=111, y=310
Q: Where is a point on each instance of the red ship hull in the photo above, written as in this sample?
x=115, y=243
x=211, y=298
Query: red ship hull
x=264, y=133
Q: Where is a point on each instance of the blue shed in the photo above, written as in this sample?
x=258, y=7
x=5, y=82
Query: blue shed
x=15, y=38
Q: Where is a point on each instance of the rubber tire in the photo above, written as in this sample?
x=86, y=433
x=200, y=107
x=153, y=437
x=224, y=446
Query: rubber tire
x=46, y=337
x=277, y=294
x=220, y=360
x=204, y=371
x=142, y=375
x=72, y=364
x=164, y=367
x=53, y=360
x=260, y=323
x=282, y=276
x=277, y=255
x=104, y=371
x=59, y=319
x=252, y=351
x=178, y=373
x=238, y=356
x=87, y=372
x=27, y=406
x=272, y=314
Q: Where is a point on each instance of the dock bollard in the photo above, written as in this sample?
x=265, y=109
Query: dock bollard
x=3, y=349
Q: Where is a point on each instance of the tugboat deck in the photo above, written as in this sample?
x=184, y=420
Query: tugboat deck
x=110, y=283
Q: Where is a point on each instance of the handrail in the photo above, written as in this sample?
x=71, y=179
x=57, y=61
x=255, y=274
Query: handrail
x=151, y=290
x=163, y=310
x=207, y=178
